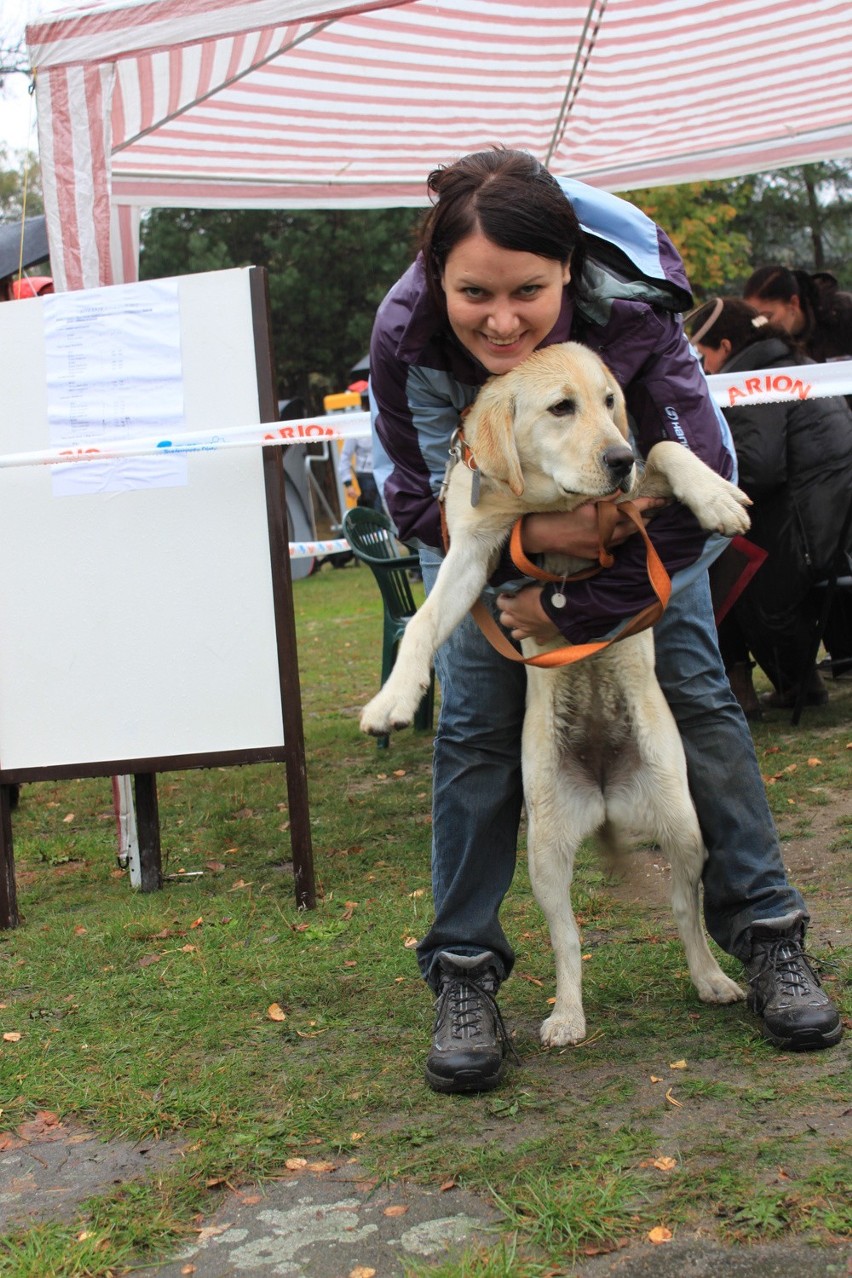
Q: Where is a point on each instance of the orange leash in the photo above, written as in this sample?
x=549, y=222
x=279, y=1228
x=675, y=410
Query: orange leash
x=657, y=575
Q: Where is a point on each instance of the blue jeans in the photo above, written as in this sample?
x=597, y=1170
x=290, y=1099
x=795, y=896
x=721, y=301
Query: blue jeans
x=477, y=788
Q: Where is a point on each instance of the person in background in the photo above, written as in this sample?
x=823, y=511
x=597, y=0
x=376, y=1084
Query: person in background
x=513, y=259
x=809, y=307
x=31, y=286
x=356, y=457
x=356, y=460
x=795, y=462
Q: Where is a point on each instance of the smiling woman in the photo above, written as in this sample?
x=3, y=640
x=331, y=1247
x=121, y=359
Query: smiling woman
x=503, y=271
x=500, y=304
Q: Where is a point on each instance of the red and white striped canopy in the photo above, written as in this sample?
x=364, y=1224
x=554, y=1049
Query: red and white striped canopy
x=336, y=103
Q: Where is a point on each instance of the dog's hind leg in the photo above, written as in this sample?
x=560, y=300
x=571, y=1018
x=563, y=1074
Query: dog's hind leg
x=559, y=816
x=673, y=824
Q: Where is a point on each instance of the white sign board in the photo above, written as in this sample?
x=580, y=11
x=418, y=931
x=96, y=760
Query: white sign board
x=137, y=622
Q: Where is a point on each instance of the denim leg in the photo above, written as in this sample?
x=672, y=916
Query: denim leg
x=477, y=793
x=744, y=877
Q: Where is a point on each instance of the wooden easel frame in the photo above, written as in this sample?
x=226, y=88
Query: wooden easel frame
x=292, y=753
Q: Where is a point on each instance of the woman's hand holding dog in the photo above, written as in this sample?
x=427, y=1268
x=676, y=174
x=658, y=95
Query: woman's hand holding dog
x=572, y=533
x=575, y=532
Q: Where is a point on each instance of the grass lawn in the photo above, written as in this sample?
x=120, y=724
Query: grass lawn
x=217, y=1016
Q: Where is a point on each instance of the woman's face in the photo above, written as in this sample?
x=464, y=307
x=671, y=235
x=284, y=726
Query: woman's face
x=714, y=359
x=786, y=315
x=501, y=304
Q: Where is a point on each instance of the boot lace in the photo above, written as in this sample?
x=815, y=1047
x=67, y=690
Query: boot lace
x=795, y=972
x=465, y=1002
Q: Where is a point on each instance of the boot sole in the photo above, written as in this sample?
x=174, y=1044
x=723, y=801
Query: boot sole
x=464, y=1081
x=804, y=1040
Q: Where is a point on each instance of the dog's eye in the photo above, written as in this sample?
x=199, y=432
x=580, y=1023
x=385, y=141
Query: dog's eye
x=565, y=408
x=610, y=400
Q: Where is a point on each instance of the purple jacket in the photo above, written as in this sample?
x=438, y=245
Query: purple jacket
x=421, y=378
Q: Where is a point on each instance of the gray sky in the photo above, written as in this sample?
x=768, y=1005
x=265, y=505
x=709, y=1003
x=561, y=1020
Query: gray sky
x=17, y=110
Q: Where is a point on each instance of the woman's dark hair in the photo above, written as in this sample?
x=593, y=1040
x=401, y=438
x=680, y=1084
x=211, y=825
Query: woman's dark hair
x=512, y=199
x=733, y=319
x=775, y=283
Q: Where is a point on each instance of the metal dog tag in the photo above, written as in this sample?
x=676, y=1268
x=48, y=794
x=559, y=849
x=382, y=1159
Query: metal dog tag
x=558, y=599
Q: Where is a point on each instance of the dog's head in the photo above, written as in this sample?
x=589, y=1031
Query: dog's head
x=556, y=422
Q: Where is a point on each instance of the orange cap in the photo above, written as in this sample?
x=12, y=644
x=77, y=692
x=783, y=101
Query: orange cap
x=32, y=286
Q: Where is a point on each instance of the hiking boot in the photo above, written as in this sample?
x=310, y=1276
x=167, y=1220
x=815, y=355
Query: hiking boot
x=816, y=694
x=786, y=991
x=469, y=1042
x=739, y=677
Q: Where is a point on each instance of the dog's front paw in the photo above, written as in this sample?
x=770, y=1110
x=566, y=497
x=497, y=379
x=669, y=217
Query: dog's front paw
x=716, y=987
x=725, y=511
x=561, y=1029
x=390, y=710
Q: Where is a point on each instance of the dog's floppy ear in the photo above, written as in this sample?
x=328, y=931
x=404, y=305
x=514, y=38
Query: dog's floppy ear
x=619, y=412
x=490, y=431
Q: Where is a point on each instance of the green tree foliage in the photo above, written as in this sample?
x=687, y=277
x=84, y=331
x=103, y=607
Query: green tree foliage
x=328, y=271
x=702, y=220
x=20, y=185
x=800, y=217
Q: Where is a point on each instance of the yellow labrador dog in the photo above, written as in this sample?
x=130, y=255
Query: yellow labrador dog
x=601, y=751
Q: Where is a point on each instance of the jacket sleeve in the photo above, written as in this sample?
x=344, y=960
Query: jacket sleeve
x=409, y=488
x=760, y=436
x=668, y=398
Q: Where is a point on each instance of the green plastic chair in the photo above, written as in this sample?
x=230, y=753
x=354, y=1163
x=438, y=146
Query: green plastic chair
x=371, y=536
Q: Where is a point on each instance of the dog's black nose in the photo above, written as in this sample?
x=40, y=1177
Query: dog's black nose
x=618, y=460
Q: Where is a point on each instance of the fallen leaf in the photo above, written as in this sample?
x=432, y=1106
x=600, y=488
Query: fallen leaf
x=659, y=1234
x=214, y=866
x=357, y=1135
x=814, y=763
x=296, y=1164
x=400, y=772
x=321, y=1167
x=664, y=1163
x=275, y=1012
x=678, y=1065
x=188, y=1269
x=239, y=885
x=655, y=1079
x=399, y=1210
x=69, y=818
x=8, y=1140
x=447, y=1185
x=672, y=1100
x=196, y=923
x=84, y=1234
x=361, y=1271
x=188, y=949
x=148, y=959
x=410, y=942
x=79, y=930
x=211, y=1231
x=12, y=1036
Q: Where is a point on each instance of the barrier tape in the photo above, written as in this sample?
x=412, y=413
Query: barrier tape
x=310, y=549
x=807, y=381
